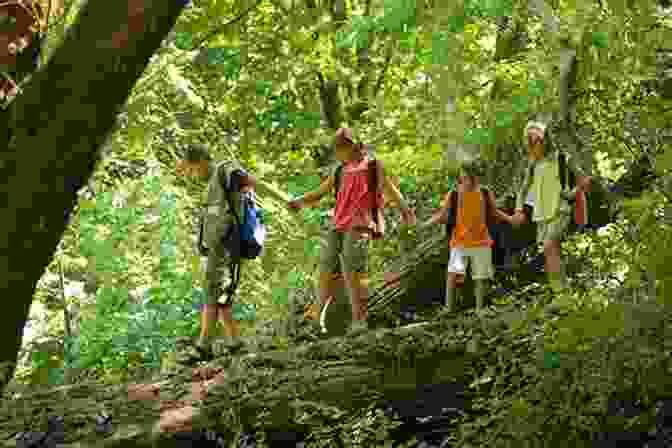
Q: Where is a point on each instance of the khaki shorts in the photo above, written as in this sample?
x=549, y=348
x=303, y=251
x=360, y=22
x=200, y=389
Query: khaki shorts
x=481, y=262
x=217, y=275
x=553, y=229
x=353, y=246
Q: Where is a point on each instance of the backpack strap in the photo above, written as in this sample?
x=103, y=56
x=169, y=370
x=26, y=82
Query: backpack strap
x=373, y=191
x=452, y=214
x=562, y=170
x=234, y=265
x=337, y=180
x=490, y=207
x=201, y=248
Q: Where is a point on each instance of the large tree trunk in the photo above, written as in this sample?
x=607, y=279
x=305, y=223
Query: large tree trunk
x=50, y=139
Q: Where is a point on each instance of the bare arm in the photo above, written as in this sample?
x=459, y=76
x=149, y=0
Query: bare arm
x=391, y=190
x=524, y=188
x=441, y=214
x=315, y=195
x=266, y=189
x=499, y=215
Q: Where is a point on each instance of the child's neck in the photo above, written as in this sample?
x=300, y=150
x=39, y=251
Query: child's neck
x=473, y=187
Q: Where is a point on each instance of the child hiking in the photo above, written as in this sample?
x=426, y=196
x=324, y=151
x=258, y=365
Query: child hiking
x=229, y=188
x=357, y=219
x=545, y=192
x=469, y=212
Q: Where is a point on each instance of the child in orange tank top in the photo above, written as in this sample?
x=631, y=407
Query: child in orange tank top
x=470, y=242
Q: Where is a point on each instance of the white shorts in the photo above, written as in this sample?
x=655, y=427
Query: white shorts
x=481, y=262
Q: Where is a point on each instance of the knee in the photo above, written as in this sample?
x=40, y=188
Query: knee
x=361, y=279
x=225, y=312
x=451, y=279
x=551, y=248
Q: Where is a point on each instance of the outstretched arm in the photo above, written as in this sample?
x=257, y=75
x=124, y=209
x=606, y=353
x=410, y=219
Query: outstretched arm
x=390, y=189
x=499, y=215
x=266, y=189
x=441, y=214
x=315, y=195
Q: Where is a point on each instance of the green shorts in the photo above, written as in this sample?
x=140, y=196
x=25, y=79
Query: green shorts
x=553, y=229
x=353, y=246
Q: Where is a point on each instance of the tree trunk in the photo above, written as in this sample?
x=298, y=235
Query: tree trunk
x=50, y=139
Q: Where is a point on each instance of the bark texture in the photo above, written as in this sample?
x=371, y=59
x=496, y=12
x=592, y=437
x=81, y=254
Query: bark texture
x=50, y=136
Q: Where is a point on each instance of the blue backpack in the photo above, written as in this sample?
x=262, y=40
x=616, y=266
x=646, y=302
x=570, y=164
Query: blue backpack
x=245, y=238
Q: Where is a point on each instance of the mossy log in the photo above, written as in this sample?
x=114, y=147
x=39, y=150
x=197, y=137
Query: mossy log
x=309, y=386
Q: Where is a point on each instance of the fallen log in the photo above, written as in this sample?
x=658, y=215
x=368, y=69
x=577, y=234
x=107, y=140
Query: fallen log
x=322, y=384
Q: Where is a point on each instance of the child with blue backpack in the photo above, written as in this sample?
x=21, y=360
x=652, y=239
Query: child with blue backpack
x=226, y=237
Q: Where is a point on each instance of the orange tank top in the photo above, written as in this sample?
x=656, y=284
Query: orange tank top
x=470, y=228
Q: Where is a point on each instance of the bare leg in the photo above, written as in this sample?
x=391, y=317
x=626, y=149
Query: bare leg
x=451, y=284
x=329, y=281
x=553, y=265
x=359, y=287
x=480, y=287
x=208, y=321
x=231, y=330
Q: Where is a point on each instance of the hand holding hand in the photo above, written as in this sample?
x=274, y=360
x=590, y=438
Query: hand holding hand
x=517, y=218
x=408, y=216
x=583, y=183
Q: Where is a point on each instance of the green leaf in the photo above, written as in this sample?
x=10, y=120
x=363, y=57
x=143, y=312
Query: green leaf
x=136, y=139
x=664, y=161
x=479, y=136
x=264, y=88
x=244, y=311
x=503, y=119
x=440, y=49
x=519, y=104
x=535, y=87
x=495, y=8
x=456, y=24
x=184, y=40
x=400, y=15
x=345, y=39
x=600, y=39
x=551, y=360
x=409, y=42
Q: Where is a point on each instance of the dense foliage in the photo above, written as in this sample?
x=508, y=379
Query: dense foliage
x=417, y=79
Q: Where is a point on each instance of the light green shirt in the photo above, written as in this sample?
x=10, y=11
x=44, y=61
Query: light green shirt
x=542, y=177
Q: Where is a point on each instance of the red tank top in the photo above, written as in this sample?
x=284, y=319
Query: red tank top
x=353, y=201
